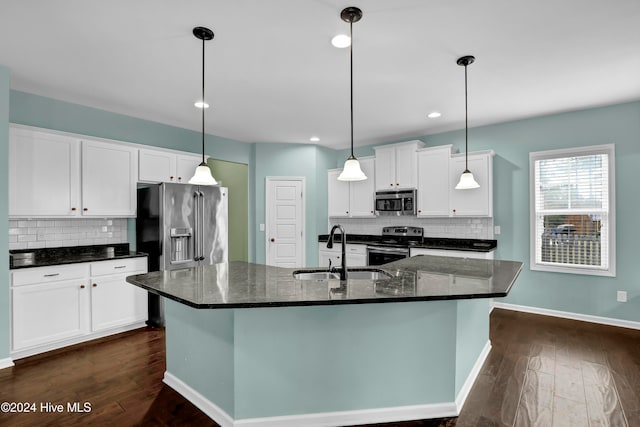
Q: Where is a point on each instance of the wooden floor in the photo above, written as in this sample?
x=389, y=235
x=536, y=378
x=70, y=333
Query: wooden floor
x=542, y=371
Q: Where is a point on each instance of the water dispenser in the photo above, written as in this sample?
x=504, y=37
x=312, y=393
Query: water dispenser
x=181, y=247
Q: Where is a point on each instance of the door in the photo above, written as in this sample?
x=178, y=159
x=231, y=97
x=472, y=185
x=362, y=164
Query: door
x=213, y=203
x=285, y=222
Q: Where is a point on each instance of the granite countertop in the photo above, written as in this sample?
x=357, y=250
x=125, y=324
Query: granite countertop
x=476, y=245
x=244, y=285
x=42, y=257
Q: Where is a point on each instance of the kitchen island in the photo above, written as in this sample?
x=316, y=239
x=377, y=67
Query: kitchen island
x=252, y=345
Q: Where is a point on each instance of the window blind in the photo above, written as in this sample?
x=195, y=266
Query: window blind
x=572, y=214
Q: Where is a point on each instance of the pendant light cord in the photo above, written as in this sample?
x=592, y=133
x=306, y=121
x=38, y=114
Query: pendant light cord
x=203, y=102
x=351, y=78
x=466, y=126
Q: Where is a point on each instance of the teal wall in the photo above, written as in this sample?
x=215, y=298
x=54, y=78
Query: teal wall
x=5, y=310
x=308, y=161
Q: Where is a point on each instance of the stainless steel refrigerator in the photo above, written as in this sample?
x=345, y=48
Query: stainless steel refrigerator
x=181, y=226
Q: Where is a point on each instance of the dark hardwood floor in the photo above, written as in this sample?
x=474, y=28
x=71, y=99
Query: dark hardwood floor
x=542, y=371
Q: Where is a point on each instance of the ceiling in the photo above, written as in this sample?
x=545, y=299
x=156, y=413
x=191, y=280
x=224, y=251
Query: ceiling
x=273, y=76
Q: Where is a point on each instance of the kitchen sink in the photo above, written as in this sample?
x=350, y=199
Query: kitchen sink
x=351, y=275
x=315, y=275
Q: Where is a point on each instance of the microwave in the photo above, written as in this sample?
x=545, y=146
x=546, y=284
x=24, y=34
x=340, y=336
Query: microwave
x=396, y=202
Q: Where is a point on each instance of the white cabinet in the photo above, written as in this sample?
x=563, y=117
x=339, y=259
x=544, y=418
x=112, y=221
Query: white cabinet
x=114, y=302
x=397, y=165
x=356, y=255
x=109, y=176
x=54, y=175
x=55, y=306
x=49, y=304
x=433, y=181
x=44, y=174
x=477, y=201
x=165, y=166
x=352, y=199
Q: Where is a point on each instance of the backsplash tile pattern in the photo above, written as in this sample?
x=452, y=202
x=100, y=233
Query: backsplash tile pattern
x=455, y=228
x=52, y=233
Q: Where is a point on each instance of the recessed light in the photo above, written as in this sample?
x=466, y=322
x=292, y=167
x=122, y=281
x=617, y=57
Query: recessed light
x=341, y=41
x=201, y=104
x=314, y=139
x=434, y=115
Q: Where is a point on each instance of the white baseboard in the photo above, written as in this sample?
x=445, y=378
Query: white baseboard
x=569, y=315
x=471, y=378
x=212, y=410
x=6, y=363
x=341, y=418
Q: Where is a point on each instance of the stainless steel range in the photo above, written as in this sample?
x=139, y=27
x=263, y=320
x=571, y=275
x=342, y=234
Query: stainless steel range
x=394, y=244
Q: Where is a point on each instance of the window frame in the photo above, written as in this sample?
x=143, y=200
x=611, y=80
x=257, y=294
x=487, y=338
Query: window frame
x=608, y=149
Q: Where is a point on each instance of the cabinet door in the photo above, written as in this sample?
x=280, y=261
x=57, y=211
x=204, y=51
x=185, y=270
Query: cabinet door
x=406, y=166
x=433, y=182
x=476, y=201
x=338, y=195
x=44, y=174
x=362, y=193
x=186, y=166
x=109, y=176
x=156, y=166
x=48, y=313
x=114, y=302
x=385, y=168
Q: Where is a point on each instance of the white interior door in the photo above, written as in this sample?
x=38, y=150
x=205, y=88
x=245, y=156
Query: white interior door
x=285, y=222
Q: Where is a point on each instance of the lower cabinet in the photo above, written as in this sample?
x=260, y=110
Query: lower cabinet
x=62, y=305
x=451, y=253
x=356, y=255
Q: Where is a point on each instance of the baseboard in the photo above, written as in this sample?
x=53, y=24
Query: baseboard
x=471, y=378
x=6, y=363
x=212, y=410
x=569, y=315
x=32, y=351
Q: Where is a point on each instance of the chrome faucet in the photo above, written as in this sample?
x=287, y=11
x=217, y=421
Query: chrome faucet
x=343, y=270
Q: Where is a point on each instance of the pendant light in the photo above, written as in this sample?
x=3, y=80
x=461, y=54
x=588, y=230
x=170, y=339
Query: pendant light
x=351, y=170
x=467, y=181
x=203, y=174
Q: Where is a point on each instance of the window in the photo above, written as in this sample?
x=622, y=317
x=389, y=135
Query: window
x=572, y=210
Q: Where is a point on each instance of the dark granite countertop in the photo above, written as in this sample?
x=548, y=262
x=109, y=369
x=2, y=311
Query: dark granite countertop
x=42, y=257
x=476, y=245
x=244, y=285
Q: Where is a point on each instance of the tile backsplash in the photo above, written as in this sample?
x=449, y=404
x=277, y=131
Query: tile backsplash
x=49, y=233
x=456, y=228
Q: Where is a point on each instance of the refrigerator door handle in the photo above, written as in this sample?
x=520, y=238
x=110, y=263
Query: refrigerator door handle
x=201, y=227
x=196, y=231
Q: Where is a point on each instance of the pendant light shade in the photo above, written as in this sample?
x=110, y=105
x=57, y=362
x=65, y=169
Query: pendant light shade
x=203, y=175
x=351, y=170
x=467, y=181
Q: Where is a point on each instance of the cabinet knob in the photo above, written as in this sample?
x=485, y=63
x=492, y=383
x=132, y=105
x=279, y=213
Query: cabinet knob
x=73, y=209
x=419, y=210
x=346, y=211
x=95, y=285
x=391, y=184
x=179, y=178
x=171, y=178
x=85, y=209
x=81, y=286
x=397, y=184
x=273, y=240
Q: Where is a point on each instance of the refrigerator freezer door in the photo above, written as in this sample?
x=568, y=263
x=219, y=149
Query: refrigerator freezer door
x=179, y=222
x=214, y=210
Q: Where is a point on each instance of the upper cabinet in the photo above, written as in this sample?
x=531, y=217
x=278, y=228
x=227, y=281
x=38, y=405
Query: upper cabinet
x=397, y=166
x=53, y=175
x=44, y=174
x=477, y=201
x=355, y=198
x=109, y=177
x=433, y=181
x=166, y=166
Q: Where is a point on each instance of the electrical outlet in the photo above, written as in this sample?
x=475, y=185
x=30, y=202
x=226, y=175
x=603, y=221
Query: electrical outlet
x=496, y=229
x=261, y=227
x=622, y=296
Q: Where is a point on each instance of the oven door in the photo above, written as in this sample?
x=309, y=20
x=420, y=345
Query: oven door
x=378, y=255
